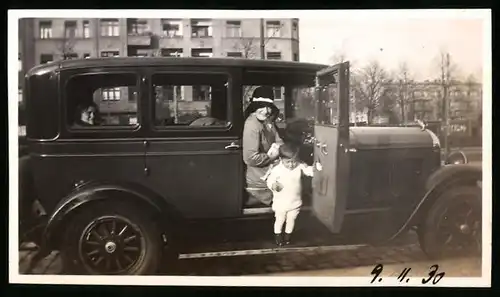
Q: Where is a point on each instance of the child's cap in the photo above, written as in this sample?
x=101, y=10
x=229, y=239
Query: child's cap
x=288, y=151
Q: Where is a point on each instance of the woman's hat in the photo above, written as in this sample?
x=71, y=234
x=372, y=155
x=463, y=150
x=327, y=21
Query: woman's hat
x=262, y=96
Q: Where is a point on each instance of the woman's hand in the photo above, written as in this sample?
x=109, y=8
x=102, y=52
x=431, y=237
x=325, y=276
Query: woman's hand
x=273, y=152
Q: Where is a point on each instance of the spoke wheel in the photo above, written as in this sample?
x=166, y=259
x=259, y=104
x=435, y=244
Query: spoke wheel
x=107, y=239
x=111, y=245
x=453, y=224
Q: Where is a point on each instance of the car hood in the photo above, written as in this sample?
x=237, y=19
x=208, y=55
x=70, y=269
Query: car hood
x=390, y=137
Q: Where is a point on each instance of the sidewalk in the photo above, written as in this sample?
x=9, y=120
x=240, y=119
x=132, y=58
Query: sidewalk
x=457, y=267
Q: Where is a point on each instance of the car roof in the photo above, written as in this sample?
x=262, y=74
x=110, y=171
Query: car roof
x=170, y=61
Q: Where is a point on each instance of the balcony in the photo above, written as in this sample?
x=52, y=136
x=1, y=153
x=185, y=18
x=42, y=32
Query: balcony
x=142, y=39
x=171, y=42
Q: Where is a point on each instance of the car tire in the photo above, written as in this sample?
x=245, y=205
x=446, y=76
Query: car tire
x=81, y=249
x=429, y=235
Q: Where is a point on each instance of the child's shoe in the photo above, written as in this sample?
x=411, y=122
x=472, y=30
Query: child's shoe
x=278, y=240
x=287, y=238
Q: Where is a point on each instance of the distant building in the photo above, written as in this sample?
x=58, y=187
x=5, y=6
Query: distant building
x=46, y=40
x=423, y=101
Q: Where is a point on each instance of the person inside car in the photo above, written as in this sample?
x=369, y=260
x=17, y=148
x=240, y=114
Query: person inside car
x=86, y=115
x=261, y=143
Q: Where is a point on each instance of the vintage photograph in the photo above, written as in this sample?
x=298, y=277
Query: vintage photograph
x=292, y=144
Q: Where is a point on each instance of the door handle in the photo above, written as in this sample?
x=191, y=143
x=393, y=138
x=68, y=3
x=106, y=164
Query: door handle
x=232, y=146
x=348, y=149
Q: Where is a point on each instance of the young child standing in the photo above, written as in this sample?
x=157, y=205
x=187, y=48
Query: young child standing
x=284, y=180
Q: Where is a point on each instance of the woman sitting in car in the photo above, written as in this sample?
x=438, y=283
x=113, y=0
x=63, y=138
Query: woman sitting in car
x=261, y=142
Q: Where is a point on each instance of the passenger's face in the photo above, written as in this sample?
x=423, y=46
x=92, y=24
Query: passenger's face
x=263, y=113
x=88, y=115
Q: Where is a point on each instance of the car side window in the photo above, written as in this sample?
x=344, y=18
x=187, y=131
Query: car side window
x=102, y=100
x=190, y=100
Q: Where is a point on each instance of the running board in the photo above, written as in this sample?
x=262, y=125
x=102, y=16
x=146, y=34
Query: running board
x=270, y=251
x=264, y=210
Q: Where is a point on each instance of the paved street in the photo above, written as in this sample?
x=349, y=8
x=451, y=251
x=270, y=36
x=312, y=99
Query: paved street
x=333, y=263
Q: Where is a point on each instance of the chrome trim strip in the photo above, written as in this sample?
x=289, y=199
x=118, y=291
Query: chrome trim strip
x=270, y=251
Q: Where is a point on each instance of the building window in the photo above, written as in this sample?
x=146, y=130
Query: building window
x=172, y=28
x=235, y=54
x=137, y=27
x=139, y=54
x=296, y=57
x=274, y=55
x=295, y=30
x=278, y=93
x=171, y=52
x=201, y=52
x=70, y=29
x=191, y=100
x=201, y=28
x=273, y=29
x=110, y=54
x=86, y=55
x=45, y=29
x=110, y=27
x=86, y=29
x=46, y=58
x=110, y=94
x=69, y=56
x=202, y=93
x=233, y=29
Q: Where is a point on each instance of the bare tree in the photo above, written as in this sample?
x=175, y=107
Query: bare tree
x=339, y=57
x=368, y=84
x=405, y=86
x=66, y=47
x=249, y=46
x=447, y=73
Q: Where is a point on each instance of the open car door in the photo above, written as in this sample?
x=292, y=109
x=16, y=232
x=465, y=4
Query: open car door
x=331, y=150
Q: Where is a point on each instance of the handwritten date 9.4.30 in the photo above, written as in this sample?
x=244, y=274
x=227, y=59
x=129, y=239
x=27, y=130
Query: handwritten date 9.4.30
x=434, y=277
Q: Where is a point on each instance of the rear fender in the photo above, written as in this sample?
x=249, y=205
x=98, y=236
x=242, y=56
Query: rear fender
x=437, y=183
x=93, y=192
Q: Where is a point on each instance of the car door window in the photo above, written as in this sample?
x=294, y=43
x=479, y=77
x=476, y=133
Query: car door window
x=103, y=100
x=191, y=100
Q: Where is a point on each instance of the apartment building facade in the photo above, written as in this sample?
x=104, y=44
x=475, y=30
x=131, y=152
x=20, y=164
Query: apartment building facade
x=46, y=40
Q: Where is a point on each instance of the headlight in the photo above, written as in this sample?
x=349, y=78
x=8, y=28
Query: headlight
x=457, y=157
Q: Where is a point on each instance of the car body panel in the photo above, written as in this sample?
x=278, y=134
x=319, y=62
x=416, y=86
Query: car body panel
x=380, y=178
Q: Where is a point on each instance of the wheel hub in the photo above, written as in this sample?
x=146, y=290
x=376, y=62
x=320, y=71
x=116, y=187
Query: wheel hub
x=110, y=247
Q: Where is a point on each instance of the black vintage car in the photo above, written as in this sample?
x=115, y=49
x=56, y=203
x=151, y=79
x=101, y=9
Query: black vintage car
x=161, y=175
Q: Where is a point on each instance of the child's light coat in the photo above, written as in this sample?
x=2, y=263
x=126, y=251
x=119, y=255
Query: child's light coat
x=289, y=198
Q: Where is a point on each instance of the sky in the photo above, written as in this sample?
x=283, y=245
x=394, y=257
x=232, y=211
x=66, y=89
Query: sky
x=416, y=41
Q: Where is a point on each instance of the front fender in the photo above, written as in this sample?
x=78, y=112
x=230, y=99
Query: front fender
x=449, y=171
x=442, y=179
x=94, y=192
